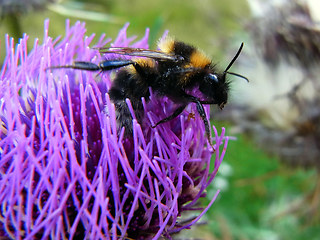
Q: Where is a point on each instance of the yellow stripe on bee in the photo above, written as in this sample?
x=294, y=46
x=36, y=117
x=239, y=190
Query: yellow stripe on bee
x=199, y=60
x=166, y=45
x=143, y=62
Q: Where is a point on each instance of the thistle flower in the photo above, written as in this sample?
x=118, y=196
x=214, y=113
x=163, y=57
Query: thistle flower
x=67, y=172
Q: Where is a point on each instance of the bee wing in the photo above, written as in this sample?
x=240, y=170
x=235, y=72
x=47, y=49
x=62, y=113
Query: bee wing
x=140, y=52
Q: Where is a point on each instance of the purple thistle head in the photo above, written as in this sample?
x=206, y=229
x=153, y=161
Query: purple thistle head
x=66, y=171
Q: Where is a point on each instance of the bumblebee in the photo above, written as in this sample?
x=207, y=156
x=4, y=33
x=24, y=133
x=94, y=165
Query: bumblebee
x=173, y=71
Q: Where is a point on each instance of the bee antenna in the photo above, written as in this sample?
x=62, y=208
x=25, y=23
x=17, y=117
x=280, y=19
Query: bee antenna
x=238, y=75
x=234, y=59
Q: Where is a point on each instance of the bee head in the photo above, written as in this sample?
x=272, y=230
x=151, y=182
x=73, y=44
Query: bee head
x=215, y=86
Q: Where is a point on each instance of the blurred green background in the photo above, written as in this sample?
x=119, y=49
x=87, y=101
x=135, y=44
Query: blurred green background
x=256, y=189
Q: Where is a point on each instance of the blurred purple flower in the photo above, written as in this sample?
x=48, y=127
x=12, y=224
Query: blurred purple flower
x=65, y=170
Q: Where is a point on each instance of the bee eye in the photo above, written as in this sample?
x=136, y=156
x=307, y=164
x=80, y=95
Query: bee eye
x=213, y=77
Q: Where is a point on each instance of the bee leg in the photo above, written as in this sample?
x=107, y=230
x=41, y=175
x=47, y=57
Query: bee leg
x=176, y=113
x=203, y=115
x=88, y=66
x=108, y=65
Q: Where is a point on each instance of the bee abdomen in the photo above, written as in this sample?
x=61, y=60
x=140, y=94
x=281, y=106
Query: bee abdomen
x=128, y=85
x=124, y=116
